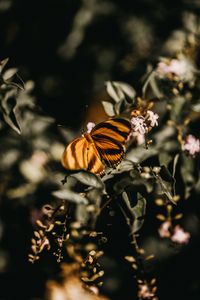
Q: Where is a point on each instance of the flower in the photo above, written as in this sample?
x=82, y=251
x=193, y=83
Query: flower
x=192, y=145
x=90, y=125
x=139, y=138
x=138, y=124
x=144, y=291
x=180, y=236
x=152, y=118
x=164, y=229
x=182, y=68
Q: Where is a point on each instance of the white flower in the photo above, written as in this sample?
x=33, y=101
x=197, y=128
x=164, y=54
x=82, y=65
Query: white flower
x=180, y=236
x=152, y=118
x=192, y=145
x=90, y=125
x=182, y=68
x=139, y=125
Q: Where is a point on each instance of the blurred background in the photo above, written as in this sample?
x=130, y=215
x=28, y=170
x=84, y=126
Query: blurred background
x=69, y=49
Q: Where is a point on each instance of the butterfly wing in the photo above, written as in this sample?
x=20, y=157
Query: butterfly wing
x=110, y=151
x=109, y=138
x=116, y=129
x=82, y=154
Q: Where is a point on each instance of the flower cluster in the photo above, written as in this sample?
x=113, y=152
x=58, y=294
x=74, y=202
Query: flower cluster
x=175, y=69
x=191, y=145
x=142, y=123
x=176, y=234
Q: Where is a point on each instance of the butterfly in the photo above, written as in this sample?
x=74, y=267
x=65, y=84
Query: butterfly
x=102, y=147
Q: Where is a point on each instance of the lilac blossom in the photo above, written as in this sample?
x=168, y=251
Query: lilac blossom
x=180, y=236
x=164, y=229
x=152, y=118
x=138, y=125
x=192, y=145
x=182, y=68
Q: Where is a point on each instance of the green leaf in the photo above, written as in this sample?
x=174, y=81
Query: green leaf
x=8, y=107
x=120, y=91
x=187, y=169
x=150, y=82
x=178, y=107
x=164, y=188
x=164, y=158
x=70, y=196
x=137, y=212
x=109, y=108
x=88, y=179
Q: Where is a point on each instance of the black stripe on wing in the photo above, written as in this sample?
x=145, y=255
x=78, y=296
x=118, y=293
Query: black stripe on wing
x=117, y=129
x=111, y=152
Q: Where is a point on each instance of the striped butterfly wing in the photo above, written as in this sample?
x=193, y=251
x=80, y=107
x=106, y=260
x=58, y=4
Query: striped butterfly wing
x=82, y=154
x=109, y=138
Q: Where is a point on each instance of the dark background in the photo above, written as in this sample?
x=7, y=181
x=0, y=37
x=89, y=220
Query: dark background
x=110, y=40
x=117, y=40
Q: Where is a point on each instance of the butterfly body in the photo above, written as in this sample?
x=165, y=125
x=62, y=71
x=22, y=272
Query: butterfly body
x=103, y=146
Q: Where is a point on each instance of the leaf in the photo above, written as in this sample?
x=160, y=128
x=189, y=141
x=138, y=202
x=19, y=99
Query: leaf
x=174, y=171
x=164, y=158
x=165, y=188
x=126, y=89
x=3, y=63
x=89, y=179
x=175, y=164
x=70, y=196
x=121, y=184
x=165, y=174
x=109, y=108
x=113, y=91
x=8, y=105
x=9, y=73
x=120, y=91
x=137, y=212
x=179, y=106
x=140, y=181
x=151, y=82
x=187, y=169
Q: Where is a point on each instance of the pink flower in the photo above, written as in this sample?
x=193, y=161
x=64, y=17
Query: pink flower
x=90, y=125
x=192, y=145
x=182, y=68
x=164, y=229
x=180, y=236
x=144, y=292
x=139, y=125
x=152, y=118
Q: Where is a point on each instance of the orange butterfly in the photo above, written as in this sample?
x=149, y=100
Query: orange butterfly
x=103, y=146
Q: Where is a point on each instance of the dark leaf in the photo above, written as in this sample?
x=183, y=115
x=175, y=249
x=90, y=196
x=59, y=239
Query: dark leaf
x=3, y=63
x=137, y=212
x=70, y=196
x=88, y=179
